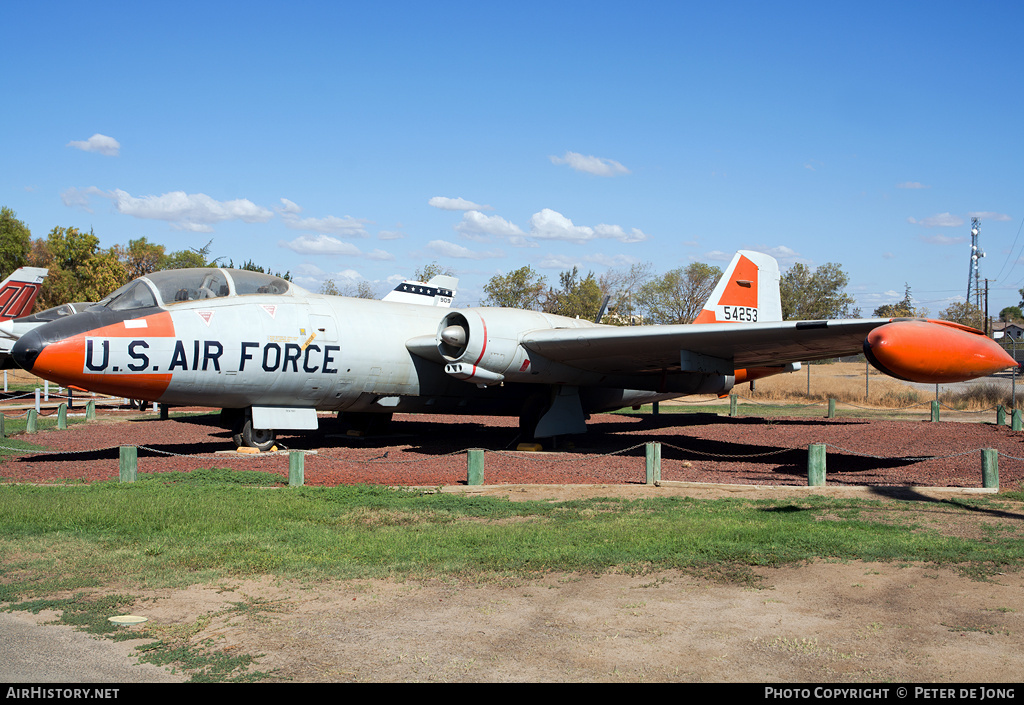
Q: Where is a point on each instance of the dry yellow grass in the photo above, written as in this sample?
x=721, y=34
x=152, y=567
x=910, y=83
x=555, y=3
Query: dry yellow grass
x=845, y=382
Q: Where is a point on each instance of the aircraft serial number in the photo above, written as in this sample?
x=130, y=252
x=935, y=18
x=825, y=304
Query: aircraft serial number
x=108, y=355
x=746, y=314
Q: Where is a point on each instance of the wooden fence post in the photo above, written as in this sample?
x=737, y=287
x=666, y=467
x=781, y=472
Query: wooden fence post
x=475, y=466
x=653, y=456
x=296, y=468
x=129, y=463
x=990, y=468
x=816, y=465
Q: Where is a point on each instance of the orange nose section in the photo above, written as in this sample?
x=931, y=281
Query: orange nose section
x=934, y=352
x=71, y=363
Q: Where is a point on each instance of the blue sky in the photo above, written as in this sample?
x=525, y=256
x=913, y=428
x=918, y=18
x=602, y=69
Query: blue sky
x=366, y=140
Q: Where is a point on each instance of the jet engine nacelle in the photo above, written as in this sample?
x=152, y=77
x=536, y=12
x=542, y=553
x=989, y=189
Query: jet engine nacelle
x=482, y=346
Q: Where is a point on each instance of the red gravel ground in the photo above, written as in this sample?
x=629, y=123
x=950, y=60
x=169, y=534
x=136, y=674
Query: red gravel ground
x=430, y=451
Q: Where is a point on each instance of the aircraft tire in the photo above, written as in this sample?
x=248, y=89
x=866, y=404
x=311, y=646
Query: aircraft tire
x=260, y=439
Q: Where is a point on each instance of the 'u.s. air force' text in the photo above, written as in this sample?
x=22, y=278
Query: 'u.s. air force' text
x=123, y=355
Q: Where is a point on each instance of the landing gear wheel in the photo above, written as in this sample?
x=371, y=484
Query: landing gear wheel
x=258, y=438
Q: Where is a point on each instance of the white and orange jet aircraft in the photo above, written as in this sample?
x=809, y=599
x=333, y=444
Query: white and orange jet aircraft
x=272, y=355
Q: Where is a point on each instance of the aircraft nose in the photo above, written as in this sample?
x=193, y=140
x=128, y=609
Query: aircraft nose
x=27, y=349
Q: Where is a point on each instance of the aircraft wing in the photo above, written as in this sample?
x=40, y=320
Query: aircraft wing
x=649, y=349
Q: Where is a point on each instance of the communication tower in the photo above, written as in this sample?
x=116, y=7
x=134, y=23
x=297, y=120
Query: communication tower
x=973, y=275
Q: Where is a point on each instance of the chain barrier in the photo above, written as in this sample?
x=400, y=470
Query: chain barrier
x=383, y=459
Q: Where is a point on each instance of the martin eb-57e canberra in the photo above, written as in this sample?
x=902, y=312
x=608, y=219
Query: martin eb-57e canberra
x=272, y=354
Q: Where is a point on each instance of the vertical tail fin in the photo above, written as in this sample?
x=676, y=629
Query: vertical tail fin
x=439, y=291
x=18, y=292
x=748, y=292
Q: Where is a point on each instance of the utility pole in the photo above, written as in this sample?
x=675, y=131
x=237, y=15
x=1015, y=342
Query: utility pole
x=988, y=332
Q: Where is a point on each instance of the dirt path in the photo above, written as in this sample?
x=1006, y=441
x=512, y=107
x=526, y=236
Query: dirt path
x=856, y=622
x=827, y=622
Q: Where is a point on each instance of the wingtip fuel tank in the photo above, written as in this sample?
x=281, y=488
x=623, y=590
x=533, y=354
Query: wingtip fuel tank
x=934, y=352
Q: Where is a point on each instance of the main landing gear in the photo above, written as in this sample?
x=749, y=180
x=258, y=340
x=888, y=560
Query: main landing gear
x=242, y=432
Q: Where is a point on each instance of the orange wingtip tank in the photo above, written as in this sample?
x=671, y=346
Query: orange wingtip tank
x=934, y=352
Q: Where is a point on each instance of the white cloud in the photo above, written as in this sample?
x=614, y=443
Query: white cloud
x=101, y=144
x=912, y=185
x=475, y=224
x=616, y=232
x=552, y=225
x=941, y=239
x=941, y=220
x=196, y=211
x=558, y=262
x=321, y=245
x=450, y=249
x=590, y=164
x=611, y=260
x=989, y=215
x=456, y=204
x=80, y=197
x=289, y=207
x=346, y=226
x=719, y=256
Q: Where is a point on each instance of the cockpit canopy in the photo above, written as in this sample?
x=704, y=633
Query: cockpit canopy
x=172, y=286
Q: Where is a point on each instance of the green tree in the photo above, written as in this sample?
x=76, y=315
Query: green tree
x=15, y=242
x=576, y=297
x=821, y=294
x=428, y=272
x=1010, y=314
x=622, y=287
x=964, y=313
x=679, y=295
x=361, y=290
x=250, y=266
x=901, y=309
x=79, y=269
x=140, y=257
x=523, y=288
x=192, y=257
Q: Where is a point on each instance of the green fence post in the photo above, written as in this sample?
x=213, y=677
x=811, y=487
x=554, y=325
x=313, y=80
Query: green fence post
x=1000, y=415
x=31, y=422
x=935, y=411
x=1015, y=420
x=831, y=408
x=129, y=463
x=296, y=468
x=732, y=405
x=653, y=453
x=90, y=410
x=3, y=431
x=475, y=466
x=62, y=417
x=816, y=465
x=990, y=468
